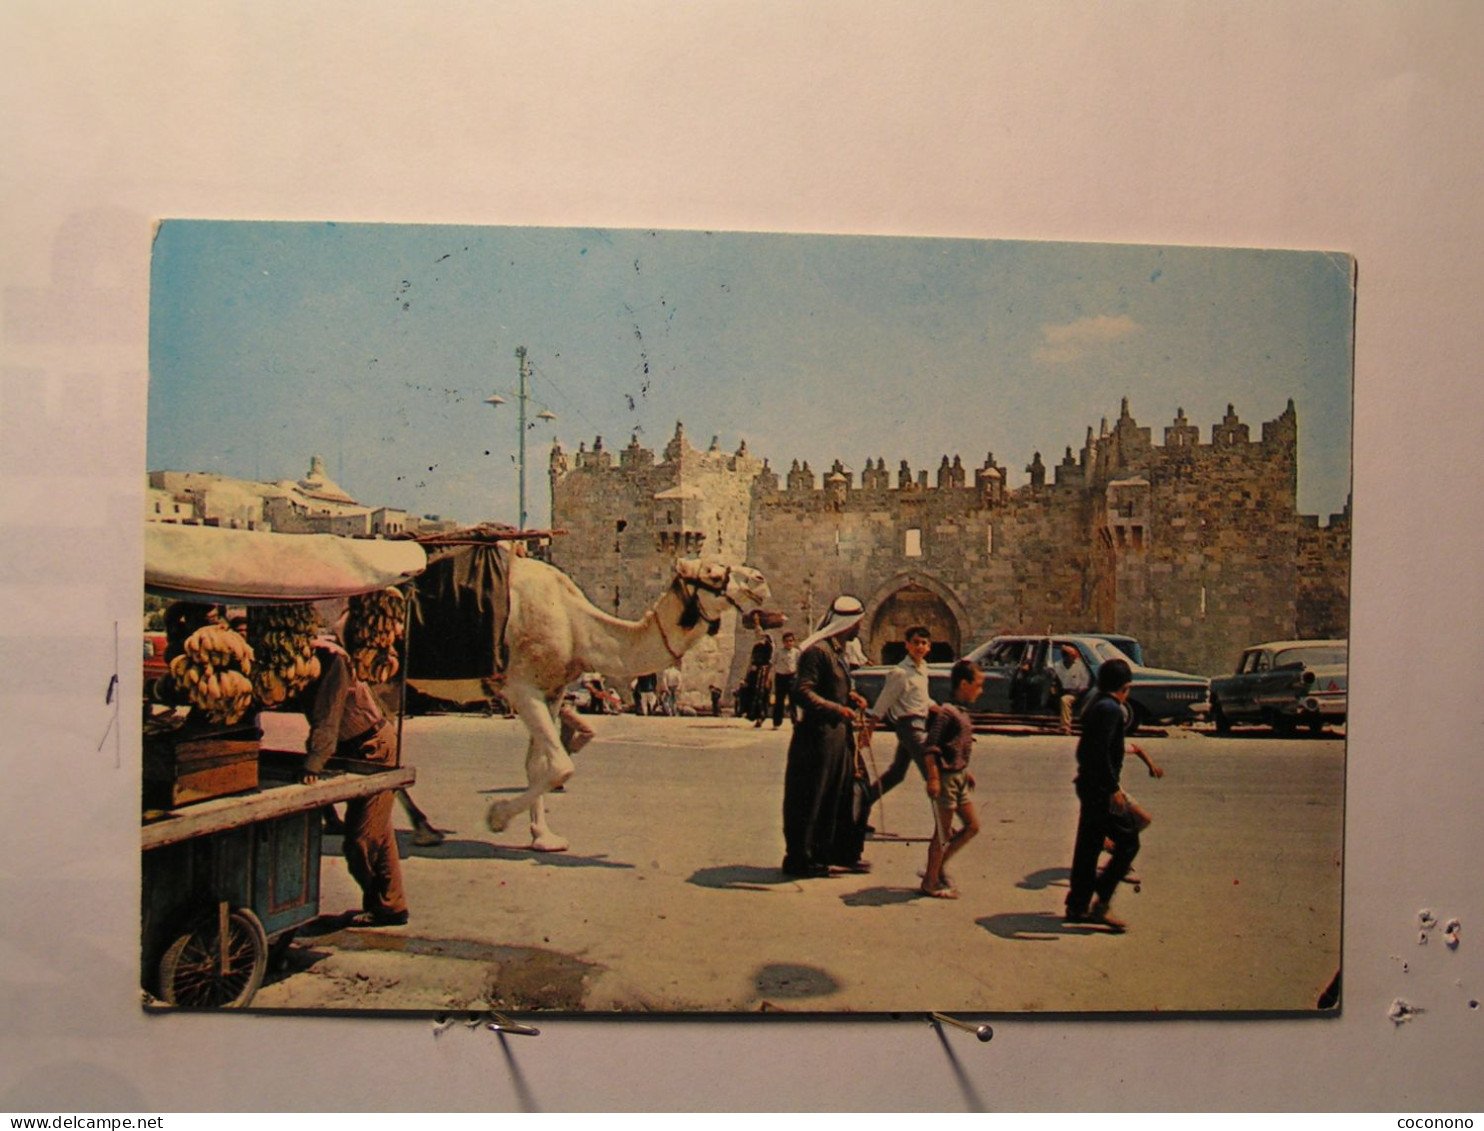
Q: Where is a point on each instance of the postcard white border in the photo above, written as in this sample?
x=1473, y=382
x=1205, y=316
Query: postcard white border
x=1305, y=126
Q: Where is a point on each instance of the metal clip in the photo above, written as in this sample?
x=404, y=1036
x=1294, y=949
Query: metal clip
x=984, y=1032
x=503, y=1024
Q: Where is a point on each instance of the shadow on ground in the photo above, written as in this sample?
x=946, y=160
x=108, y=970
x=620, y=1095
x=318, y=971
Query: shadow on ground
x=1045, y=878
x=483, y=850
x=740, y=877
x=1034, y=926
x=881, y=897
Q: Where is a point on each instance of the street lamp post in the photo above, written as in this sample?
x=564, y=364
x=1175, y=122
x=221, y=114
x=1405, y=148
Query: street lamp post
x=520, y=353
x=522, y=396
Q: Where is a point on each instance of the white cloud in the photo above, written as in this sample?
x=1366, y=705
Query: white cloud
x=1068, y=342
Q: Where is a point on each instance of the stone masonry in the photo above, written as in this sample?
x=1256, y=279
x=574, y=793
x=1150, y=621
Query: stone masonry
x=1195, y=548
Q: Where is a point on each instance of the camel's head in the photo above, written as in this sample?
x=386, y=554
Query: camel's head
x=710, y=587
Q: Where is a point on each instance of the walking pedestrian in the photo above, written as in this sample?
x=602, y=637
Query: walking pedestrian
x=785, y=668
x=904, y=705
x=945, y=767
x=818, y=779
x=1104, y=811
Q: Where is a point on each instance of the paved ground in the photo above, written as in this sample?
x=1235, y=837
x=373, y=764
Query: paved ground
x=671, y=899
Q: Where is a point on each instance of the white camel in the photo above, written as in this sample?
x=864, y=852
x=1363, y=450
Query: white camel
x=555, y=634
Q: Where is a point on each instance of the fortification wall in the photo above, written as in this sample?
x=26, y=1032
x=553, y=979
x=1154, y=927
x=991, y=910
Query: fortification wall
x=1194, y=547
x=1324, y=578
x=1013, y=563
x=1219, y=568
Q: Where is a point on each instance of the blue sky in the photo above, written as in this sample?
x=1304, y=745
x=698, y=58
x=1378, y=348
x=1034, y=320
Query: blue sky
x=375, y=346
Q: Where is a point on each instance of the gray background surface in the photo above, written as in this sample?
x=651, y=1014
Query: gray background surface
x=1348, y=127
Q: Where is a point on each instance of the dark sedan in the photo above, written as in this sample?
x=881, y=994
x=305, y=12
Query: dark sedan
x=1285, y=683
x=1018, y=679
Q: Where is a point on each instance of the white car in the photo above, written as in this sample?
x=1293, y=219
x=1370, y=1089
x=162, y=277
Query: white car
x=1283, y=684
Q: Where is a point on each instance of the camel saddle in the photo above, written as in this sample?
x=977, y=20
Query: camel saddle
x=460, y=607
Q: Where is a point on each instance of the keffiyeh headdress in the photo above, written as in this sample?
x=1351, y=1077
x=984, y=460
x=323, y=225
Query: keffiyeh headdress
x=845, y=613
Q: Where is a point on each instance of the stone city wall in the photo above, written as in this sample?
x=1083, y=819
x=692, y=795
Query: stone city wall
x=1194, y=547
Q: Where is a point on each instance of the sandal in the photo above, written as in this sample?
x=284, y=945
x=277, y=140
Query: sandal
x=939, y=893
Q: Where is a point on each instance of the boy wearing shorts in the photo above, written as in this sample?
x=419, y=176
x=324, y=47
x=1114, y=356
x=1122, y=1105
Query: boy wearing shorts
x=945, y=765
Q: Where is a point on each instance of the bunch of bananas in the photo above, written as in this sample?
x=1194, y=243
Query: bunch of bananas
x=371, y=633
x=214, y=671
x=282, y=639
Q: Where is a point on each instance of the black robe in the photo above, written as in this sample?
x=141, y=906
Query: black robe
x=818, y=829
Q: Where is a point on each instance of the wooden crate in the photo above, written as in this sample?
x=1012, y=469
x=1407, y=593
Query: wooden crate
x=183, y=769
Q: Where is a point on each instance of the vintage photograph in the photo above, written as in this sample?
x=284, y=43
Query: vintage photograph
x=629, y=621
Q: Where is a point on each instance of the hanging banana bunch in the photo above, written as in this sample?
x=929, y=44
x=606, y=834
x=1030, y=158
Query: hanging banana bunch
x=282, y=639
x=371, y=633
x=214, y=670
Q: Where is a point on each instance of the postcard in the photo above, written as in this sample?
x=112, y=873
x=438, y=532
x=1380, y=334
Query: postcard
x=602, y=622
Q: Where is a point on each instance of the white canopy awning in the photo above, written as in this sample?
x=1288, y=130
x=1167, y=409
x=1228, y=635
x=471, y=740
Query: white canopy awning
x=258, y=567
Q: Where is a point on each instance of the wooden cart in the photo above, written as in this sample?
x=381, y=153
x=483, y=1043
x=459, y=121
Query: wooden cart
x=227, y=880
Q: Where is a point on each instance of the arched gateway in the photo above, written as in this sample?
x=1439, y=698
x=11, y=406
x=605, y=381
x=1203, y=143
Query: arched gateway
x=905, y=600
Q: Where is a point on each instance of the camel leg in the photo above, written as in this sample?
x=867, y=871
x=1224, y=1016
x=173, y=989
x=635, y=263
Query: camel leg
x=547, y=766
x=542, y=838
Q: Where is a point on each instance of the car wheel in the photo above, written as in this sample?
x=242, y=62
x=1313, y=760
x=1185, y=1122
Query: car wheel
x=1282, y=724
x=1219, y=717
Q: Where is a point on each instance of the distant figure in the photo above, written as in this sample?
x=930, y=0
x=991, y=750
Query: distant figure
x=785, y=667
x=759, y=678
x=602, y=701
x=715, y=701
x=670, y=691
x=644, y=693
x=1071, y=681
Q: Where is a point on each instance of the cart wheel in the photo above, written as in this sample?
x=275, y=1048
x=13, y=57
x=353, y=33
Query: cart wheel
x=192, y=972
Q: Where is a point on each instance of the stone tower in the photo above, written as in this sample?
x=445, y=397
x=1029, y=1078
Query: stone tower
x=628, y=523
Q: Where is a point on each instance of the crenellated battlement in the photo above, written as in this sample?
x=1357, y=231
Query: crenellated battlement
x=1193, y=544
x=1108, y=453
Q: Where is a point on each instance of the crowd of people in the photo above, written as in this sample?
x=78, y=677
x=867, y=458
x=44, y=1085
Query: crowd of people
x=828, y=792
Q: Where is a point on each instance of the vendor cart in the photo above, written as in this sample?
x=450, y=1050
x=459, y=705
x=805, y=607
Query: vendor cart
x=231, y=839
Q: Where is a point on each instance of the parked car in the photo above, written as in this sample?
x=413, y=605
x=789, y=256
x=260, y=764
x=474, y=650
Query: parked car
x=154, y=660
x=1018, y=680
x=1125, y=644
x=1285, y=683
